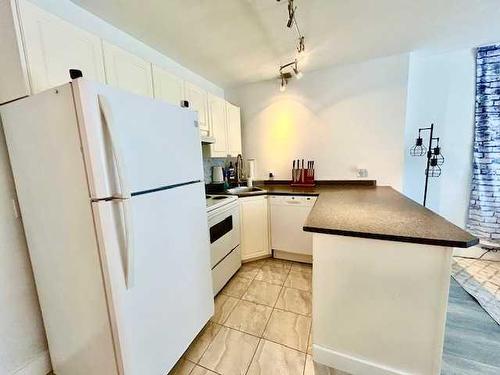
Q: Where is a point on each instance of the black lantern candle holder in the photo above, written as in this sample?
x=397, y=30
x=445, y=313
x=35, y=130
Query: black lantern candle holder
x=435, y=158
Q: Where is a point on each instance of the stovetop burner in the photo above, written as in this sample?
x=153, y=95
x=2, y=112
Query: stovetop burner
x=215, y=201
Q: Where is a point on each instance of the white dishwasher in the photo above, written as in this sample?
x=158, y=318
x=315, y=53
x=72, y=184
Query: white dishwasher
x=288, y=215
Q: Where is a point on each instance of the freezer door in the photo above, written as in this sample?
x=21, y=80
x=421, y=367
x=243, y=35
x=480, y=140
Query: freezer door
x=171, y=298
x=135, y=143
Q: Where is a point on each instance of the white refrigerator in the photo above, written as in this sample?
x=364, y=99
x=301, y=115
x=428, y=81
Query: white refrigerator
x=110, y=188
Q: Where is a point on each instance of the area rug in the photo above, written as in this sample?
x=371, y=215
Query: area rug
x=481, y=279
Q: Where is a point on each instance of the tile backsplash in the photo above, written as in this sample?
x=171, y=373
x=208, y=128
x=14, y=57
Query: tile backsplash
x=208, y=163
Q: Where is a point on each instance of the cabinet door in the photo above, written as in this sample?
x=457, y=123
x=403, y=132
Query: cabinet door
x=254, y=227
x=14, y=81
x=197, y=98
x=233, y=129
x=127, y=71
x=167, y=86
x=53, y=46
x=217, y=112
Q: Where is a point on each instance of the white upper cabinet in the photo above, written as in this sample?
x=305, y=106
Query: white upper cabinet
x=53, y=46
x=127, y=71
x=13, y=77
x=197, y=99
x=217, y=111
x=233, y=129
x=167, y=86
x=225, y=125
x=38, y=49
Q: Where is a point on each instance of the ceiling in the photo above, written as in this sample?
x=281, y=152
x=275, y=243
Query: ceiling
x=232, y=42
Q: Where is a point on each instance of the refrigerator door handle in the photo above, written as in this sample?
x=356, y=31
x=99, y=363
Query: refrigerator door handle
x=124, y=195
x=129, y=253
x=115, y=148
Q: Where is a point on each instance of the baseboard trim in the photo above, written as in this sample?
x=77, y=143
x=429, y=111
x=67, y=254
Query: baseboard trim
x=302, y=258
x=351, y=364
x=253, y=259
x=39, y=365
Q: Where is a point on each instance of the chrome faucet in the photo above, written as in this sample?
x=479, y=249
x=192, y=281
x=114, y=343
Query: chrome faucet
x=239, y=169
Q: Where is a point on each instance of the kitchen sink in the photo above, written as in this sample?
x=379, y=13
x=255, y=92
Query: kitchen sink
x=245, y=190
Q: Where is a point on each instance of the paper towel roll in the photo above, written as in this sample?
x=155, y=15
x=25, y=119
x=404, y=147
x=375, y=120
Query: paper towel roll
x=251, y=168
x=251, y=172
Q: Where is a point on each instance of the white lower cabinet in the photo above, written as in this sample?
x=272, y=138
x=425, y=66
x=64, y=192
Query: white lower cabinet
x=254, y=218
x=288, y=215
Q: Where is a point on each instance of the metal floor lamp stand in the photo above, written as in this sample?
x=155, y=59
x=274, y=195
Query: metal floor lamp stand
x=435, y=158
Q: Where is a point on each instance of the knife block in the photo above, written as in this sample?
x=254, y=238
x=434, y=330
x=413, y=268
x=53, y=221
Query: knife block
x=303, y=177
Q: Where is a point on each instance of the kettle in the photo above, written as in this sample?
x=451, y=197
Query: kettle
x=217, y=175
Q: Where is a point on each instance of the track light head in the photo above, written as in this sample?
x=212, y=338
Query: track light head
x=291, y=13
x=301, y=46
x=283, y=82
x=298, y=73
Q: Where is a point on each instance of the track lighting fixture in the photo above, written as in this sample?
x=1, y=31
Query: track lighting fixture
x=287, y=75
x=283, y=83
x=284, y=78
x=296, y=70
x=291, y=13
x=293, y=66
x=301, y=47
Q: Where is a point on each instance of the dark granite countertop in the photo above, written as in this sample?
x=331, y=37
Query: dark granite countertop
x=378, y=212
x=282, y=187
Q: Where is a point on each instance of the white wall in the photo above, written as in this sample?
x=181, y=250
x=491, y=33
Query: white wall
x=342, y=117
x=23, y=348
x=441, y=90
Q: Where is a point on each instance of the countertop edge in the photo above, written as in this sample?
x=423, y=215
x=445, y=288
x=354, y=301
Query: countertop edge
x=302, y=194
x=353, y=233
x=395, y=238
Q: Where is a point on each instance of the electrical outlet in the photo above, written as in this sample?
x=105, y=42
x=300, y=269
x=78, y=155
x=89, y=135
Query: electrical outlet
x=362, y=172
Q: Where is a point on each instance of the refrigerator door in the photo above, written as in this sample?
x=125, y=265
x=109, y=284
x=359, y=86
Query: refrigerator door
x=135, y=143
x=171, y=299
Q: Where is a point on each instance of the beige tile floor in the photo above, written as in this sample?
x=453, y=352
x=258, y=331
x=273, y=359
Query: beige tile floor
x=261, y=325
